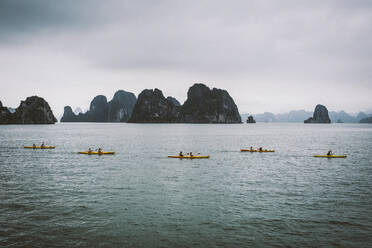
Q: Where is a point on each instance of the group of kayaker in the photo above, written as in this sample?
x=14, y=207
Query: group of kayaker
x=41, y=146
x=258, y=149
x=190, y=154
x=99, y=150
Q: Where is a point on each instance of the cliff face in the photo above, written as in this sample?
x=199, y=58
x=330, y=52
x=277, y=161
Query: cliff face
x=34, y=110
x=5, y=115
x=98, y=111
x=121, y=106
x=320, y=115
x=153, y=107
x=204, y=105
x=119, y=109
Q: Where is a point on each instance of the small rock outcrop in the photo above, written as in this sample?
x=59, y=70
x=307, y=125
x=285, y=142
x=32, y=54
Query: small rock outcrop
x=34, y=110
x=119, y=109
x=153, y=107
x=250, y=119
x=320, y=115
x=366, y=120
x=204, y=105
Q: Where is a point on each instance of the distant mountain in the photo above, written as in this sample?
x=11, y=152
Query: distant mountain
x=294, y=116
x=366, y=120
x=341, y=117
x=301, y=115
x=360, y=116
x=265, y=117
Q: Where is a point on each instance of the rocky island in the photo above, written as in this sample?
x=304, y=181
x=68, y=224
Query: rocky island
x=203, y=105
x=320, y=115
x=250, y=119
x=119, y=109
x=34, y=110
x=153, y=107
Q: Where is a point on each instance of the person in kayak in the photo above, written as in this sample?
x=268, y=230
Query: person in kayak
x=42, y=145
x=329, y=153
x=34, y=146
x=100, y=150
x=251, y=148
x=181, y=154
x=260, y=149
x=90, y=150
x=191, y=155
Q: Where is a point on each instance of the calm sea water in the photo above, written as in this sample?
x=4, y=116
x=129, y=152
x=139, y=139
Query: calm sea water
x=140, y=198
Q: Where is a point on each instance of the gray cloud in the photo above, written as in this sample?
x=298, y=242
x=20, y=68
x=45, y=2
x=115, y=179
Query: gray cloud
x=273, y=51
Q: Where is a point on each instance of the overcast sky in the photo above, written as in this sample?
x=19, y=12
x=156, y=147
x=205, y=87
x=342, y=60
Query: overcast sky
x=269, y=55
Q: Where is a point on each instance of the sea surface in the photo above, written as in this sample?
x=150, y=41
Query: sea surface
x=140, y=198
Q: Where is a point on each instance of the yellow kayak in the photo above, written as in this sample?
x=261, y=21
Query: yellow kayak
x=190, y=157
x=330, y=156
x=39, y=147
x=248, y=150
x=97, y=153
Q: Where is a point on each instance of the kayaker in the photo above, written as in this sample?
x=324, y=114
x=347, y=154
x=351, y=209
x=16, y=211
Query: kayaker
x=191, y=154
x=260, y=149
x=181, y=154
x=251, y=148
x=100, y=150
x=42, y=145
x=34, y=146
x=329, y=153
x=90, y=150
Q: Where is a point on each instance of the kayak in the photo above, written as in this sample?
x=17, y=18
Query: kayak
x=39, y=147
x=190, y=157
x=247, y=150
x=97, y=153
x=330, y=156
